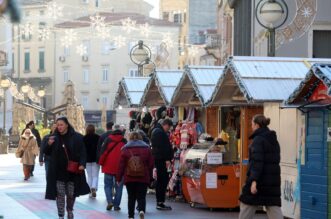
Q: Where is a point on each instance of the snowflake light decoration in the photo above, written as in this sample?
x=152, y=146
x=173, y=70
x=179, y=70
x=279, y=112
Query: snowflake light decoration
x=306, y=12
x=27, y=29
x=69, y=37
x=193, y=51
x=145, y=29
x=103, y=32
x=81, y=50
x=119, y=41
x=167, y=40
x=54, y=10
x=128, y=25
x=44, y=34
x=97, y=22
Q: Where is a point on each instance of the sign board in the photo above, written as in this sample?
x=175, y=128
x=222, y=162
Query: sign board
x=211, y=180
x=214, y=158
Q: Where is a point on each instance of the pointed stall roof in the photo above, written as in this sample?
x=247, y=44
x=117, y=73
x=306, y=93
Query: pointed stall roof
x=130, y=91
x=317, y=73
x=161, y=87
x=249, y=80
x=197, y=85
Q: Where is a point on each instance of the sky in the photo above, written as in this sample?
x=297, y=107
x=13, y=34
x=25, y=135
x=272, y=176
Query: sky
x=155, y=11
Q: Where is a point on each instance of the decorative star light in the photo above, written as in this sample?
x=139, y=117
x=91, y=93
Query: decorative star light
x=54, y=10
x=69, y=37
x=128, y=25
x=193, y=51
x=27, y=29
x=97, y=22
x=81, y=50
x=44, y=34
x=168, y=40
x=103, y=32
x=306, y=12
x=145, y=29
x=119, y=41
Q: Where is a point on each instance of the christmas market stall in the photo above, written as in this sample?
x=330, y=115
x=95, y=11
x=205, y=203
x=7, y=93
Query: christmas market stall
x=313, y=98
x=190, y=98
x=258, y=85
x=128, y=97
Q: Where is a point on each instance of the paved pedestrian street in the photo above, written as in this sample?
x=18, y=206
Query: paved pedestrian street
x=19, y=199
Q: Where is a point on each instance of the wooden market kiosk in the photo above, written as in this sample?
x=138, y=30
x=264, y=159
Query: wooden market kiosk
x=195, y=90
x=313, y=98
x=258, y=85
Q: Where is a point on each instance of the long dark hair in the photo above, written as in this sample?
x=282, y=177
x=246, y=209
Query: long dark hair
x=90, y=129
x=66, y=121
x=261, y=120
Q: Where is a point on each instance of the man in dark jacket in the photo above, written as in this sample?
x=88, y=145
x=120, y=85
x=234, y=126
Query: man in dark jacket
x=163, y=154
x=43, y=158
x=262, y=187
x=109, y=127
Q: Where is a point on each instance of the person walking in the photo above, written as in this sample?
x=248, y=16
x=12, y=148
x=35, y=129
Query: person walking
x=30, y=125
x=163, y=154
x=136, y=166
x=109, y=161
x=43, y=158
x=27, y=150
x=262, y=187
x=66, y=177
x=109, y=127
x=92, y=168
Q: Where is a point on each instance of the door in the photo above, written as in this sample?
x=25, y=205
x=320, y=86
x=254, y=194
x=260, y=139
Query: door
x=212, y=121
x=247, y=114
x=314, y=180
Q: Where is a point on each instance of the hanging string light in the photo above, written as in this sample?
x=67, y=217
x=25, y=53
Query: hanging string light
x=54, y=10
x=119, y=41
x=44, y=34
x=69, y=37
x=128, y=25
x=145, y=29
x=81, y=50
x=193, y=51
x=168, y=40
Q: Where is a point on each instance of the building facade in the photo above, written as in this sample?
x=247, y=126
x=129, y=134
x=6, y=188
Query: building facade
x=97, y=71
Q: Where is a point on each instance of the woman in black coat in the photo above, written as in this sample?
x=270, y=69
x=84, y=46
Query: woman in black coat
x=262, y=187
x=64, y=145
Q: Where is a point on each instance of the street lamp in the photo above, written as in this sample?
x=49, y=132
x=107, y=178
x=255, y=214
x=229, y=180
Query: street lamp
x=140, y=54
x=25, y=87
x=4, y=84
x=271, y=14
x=41, y=93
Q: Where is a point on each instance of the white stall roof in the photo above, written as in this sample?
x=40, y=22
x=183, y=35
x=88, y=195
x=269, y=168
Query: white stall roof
x=321, y=72
x=263, y=79
x=131, y=89
x=204, y=79
x=167, y=81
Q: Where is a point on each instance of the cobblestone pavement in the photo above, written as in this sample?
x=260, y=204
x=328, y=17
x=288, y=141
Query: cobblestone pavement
x=19, y=199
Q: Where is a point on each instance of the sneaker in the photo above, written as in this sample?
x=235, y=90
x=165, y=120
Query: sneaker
x=117, y=208
x=93, y=193
x=141, y=215
x=162, y=206
x=109, y=207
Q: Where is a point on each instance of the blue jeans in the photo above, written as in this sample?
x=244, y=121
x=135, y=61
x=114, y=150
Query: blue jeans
x=110, y=184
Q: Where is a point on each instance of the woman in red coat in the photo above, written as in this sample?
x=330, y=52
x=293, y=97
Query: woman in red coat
x=136, y=166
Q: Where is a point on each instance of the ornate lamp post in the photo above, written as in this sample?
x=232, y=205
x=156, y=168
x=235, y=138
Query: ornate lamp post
x=271, y=14
x=140, y=55
x=4, y=84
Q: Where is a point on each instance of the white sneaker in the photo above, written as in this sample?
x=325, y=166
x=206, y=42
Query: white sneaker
x=142, y=215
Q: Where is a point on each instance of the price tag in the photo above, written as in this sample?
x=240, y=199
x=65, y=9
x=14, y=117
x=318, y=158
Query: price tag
x=214, y=158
